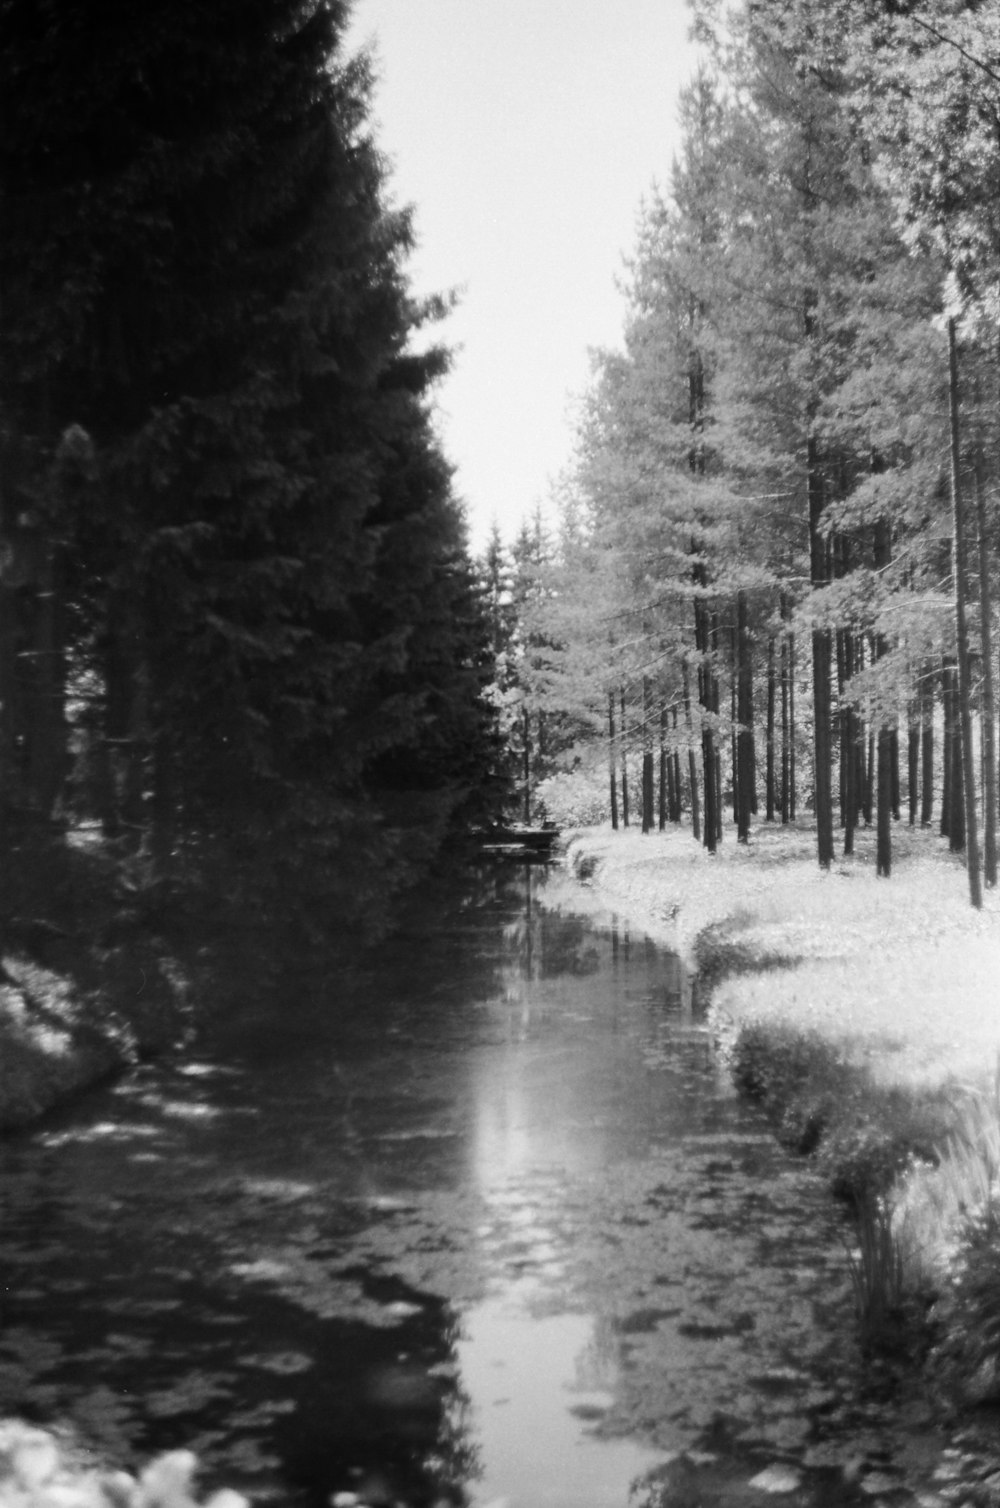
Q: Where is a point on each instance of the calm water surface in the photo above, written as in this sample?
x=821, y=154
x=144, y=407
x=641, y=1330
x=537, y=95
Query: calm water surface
x=481, y=1222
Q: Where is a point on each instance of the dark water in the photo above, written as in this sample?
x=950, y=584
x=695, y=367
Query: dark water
x=480, y=1222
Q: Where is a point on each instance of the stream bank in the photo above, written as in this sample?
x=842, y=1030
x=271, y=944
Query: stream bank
x=861, y=1013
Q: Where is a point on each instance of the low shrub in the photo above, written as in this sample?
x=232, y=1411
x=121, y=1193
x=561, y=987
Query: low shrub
x=720, y=952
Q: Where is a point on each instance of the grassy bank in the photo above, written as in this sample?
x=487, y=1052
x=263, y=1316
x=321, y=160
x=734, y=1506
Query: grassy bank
x=863, y=1014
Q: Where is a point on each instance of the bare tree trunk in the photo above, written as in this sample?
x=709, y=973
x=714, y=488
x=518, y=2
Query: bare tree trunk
x=612, y=762
x=961, y=630
x=822, y=663
x=989, y=702
x=769, y=791
x=744, y=709
x=926, y=748
x=624, y=734
x=948, y=749
x=647, y=758
x=666, y=772
x=734, y=755
x=913, y=759
x=675, y=762
x=692, y=758
x=705, y=697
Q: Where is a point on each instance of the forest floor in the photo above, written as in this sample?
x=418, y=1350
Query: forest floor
x=901, y=971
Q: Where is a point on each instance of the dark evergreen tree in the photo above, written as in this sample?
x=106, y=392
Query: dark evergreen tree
x=264, y=575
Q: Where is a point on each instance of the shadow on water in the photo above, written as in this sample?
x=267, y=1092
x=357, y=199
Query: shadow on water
x=480, y=1218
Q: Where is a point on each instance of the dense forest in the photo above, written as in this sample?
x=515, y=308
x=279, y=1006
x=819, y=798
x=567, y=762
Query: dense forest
x=771, y=587
x=240, y=630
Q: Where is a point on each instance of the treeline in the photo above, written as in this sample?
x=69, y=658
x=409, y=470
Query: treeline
x=776, y=561
x=239, y=624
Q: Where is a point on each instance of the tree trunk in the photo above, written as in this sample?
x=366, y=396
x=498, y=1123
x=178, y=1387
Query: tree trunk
x=526, y=765
x=913, y=760
x=769, y=791
x=883, y=841
x=822, y=661
x=647, y=758
x=705, y=697
x=926, y=748
x=714, y=684
x=675, y=760
x=734, y=752
x=849, y=760
x=744, y=709
x=961, y=630
x=948, y=749
x=612, y=762
x=989, y=703
x=666, y=773
x=868, y=804
x=887, y=777
x=692, y=757
x=624, y=760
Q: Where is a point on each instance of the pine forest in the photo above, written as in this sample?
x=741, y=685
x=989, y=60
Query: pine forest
x=239, y=626
x=770, y=590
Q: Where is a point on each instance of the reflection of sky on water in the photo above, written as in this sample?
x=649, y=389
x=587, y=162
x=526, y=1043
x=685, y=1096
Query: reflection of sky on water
x=533, y=1389
x=537, y=1366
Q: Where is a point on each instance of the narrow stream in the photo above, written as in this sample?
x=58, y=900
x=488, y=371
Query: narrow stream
x=481, y=1223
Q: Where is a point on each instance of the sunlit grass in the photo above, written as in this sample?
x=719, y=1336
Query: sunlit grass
x=865, y=1015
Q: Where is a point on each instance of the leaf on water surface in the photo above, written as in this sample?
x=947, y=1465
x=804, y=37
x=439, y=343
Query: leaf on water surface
x=194, y=1392
x=777, y=1480
x=281, y=1363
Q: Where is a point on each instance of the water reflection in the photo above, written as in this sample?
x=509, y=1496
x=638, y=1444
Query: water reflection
x=481, y=1218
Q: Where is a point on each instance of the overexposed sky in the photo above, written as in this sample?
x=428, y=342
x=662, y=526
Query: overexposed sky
x=525, y=133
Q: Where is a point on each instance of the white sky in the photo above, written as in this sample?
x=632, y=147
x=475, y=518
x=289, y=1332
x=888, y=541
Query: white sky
x=525, y=133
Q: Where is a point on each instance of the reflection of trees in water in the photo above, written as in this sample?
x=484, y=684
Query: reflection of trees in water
x=598, y=1367
x=544, y=944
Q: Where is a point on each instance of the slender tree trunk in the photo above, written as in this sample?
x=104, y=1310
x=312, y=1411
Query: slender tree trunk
x=792, y=782
x=612, y=762
x=526, y=764
x=888, y=764
x=666, y=773
x=734, y=756
x=883, y=842
x=624, y=759
x=647, y=758
x=926, y=747
x=714, y=684
x=785, y=740
x=961, y=630
x=769, y=791
x=692, y=758
x=989, y=702
x=868, y=810
x=948, y=748
x=705, y=697
x=744, y=709
x=849, y=760
x=676, y=808
x=894, y=772
x=822, y=662
x=913, y=760
x=956, y=784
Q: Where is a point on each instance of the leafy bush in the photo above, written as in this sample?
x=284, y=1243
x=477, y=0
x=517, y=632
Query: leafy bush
x=574, y=798
x=968, y=1358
